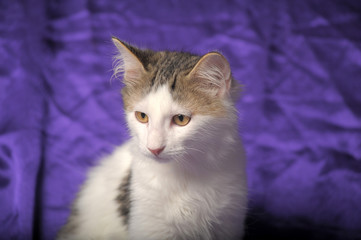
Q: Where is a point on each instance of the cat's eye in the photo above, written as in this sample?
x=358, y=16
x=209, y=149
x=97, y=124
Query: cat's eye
x=141, y=117
x=181, y=120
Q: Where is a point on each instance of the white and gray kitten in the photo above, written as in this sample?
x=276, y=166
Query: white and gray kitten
x=182, y=174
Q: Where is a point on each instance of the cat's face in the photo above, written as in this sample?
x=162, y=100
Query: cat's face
x=174, y=101
x=162, y=127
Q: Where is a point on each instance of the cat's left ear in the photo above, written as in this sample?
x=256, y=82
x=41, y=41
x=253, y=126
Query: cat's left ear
x=127, y=63
x=213, y=74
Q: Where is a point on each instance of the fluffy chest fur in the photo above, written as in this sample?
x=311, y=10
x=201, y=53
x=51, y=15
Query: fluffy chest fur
x=186, y=207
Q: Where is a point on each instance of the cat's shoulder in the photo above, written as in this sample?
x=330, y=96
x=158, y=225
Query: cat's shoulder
x=114, y=165
x=97, y=197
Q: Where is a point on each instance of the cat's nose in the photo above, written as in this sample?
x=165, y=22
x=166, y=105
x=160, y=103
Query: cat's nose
x=157, y=151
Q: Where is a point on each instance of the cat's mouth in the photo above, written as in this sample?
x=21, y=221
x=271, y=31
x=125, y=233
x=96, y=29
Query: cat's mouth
x=160, y=158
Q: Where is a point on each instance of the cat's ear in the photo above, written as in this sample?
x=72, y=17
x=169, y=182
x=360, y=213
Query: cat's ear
x=213, y=74
x=127, y=63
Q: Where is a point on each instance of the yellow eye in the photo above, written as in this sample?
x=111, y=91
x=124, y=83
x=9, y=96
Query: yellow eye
x=141, y=117
x=181, y=120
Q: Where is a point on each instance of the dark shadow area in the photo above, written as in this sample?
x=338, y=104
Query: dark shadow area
x=261, y=225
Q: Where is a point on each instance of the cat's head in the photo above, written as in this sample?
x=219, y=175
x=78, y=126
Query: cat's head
x=176, y=103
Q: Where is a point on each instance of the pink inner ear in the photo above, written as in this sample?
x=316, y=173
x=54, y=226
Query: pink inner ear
x=132, y=69
x=224, y=88
x=128, y=64
x=132, y=76
x=214, y=72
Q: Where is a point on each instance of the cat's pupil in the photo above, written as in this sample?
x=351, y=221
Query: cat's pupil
x=142, y=115
x=181, y=118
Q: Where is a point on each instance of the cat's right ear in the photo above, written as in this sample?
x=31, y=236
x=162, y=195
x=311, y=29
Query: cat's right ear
x=127, y=63
x=212, y=74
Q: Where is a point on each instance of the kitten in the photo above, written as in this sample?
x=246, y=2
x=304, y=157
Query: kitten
x=182, y=173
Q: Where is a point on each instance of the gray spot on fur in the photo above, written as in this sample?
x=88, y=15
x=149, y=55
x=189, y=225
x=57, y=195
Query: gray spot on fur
x=124, y=198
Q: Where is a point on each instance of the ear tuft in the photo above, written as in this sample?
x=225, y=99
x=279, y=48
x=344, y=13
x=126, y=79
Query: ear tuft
x=213, y=74
x=126, y=63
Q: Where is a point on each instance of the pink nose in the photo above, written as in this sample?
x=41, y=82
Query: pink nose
x=156, y=152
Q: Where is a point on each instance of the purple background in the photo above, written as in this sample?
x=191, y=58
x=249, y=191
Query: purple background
x=300, y=62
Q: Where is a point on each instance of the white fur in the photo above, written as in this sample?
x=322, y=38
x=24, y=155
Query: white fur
x=195, y=189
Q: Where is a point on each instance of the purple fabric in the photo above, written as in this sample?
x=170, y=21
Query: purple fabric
x=300, y=63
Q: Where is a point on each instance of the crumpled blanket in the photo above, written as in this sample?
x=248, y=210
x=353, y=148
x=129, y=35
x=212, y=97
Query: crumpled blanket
x=300, y=110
